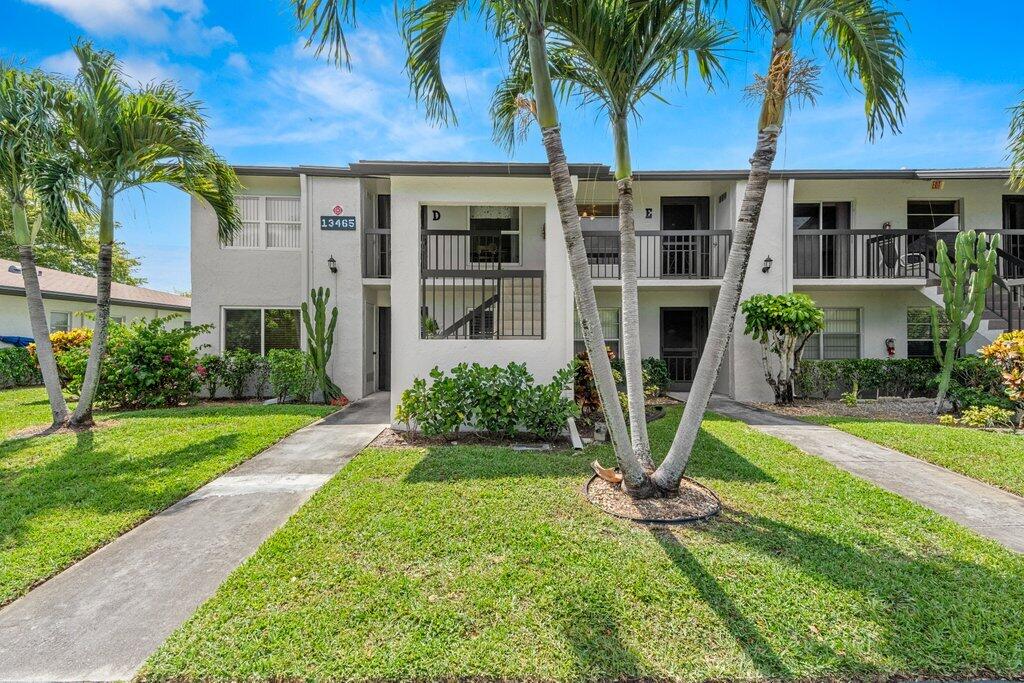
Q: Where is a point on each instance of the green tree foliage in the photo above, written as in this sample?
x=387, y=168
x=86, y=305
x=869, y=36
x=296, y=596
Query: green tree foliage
x=782, y=324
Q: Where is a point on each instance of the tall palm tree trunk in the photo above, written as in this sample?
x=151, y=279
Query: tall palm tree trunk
x=634, y=477
x=631, y=352
x=670, y=473
x=104, y=264
x=41, y=334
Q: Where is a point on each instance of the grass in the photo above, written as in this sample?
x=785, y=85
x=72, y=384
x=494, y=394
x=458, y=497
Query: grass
x=472, y=562
x=21, y=408
x=993, y=457
x=62, y=496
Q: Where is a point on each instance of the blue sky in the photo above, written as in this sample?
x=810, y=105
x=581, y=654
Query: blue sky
x=270, y=102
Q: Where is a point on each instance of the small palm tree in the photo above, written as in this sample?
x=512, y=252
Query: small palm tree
x=34, y=173
x=127, y=138
x=863, y=37
x=1017, y=148
x=615, y=54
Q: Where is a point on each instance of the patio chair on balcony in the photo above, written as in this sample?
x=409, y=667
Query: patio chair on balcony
x=897, y=263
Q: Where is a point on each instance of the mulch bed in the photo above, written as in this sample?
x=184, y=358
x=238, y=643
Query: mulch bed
x=693, y=504
x=914, y=410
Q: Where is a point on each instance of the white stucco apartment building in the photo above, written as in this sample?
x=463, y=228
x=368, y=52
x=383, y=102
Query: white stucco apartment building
x=71, y=302
x=440, y=263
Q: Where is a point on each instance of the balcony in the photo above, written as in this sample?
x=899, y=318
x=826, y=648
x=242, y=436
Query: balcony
x=662, y=254
x=473, y=285
x=377, y=253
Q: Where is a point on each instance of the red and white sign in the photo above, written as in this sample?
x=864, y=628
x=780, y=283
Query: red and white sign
x=337, y=209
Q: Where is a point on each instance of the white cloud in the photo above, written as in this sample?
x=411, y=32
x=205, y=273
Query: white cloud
x=176, y=23
x=137, y=68
x=239, y=62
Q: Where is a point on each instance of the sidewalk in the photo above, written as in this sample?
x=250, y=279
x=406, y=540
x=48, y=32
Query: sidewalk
x=988, y=510
x=101, y=618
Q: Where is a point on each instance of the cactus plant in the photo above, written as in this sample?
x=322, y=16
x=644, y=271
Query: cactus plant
x=320, y=341
x=965, y=280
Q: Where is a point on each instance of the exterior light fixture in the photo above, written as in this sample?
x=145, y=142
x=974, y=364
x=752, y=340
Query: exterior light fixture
x=332, y=264
x=767, y=264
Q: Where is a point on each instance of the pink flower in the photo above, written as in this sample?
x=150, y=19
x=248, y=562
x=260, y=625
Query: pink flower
x=167, y=358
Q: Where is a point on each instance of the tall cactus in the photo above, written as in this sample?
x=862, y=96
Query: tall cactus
x=320, y=340
x=965, y=281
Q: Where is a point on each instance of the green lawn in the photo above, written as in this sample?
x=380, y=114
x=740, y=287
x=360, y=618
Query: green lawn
x=471, y=562
x=993, y=457
x=63, y=496
x=21, y=408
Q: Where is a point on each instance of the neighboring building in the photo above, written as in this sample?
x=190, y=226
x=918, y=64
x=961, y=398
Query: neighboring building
x=71, y=301
x=439, y=263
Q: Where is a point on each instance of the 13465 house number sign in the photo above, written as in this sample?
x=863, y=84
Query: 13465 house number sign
x=337, y=222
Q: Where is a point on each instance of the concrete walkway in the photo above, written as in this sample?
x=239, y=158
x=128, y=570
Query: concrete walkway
x=988, y=510
x=100, y=619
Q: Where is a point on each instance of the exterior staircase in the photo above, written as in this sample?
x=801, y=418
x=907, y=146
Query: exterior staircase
x=521, y=308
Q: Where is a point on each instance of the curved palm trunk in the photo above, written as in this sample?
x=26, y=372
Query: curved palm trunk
x=634, y=477
x=41, y=334
x=631, y=353
x=671, y=471
x=83, y=411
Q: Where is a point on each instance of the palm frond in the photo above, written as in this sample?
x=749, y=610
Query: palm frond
x=511, y=114
x=325, y=21
x=424, y=29
x=864, y=36
x=1016, y=148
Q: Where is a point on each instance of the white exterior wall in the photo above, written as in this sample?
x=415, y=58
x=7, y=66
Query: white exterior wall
x=14, y=320
x=414, y=357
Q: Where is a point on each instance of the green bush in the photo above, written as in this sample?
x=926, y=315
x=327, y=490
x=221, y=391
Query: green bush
x=291, y=375
x=145, y=365
x=584, y=388
x=260, y=376
x=879, y=376
x=238, y=367
x=976, y=383
x=211, y=373
x=18, y=368
x=498, y=400
x=656, y=378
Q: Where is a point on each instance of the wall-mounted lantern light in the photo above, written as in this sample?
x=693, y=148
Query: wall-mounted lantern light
x=332, y=264
x=767, y=264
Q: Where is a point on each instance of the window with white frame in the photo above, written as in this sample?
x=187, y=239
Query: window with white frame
x=60, y=322
x=609, y=324
x=934, y=214
x=261, y=330
x=268, y=223
x=919, y=331
x=840, y=338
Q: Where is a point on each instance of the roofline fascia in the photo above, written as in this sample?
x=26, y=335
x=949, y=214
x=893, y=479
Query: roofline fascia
x=63, y=296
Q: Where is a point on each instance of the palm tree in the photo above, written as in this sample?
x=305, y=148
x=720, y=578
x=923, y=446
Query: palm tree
x=1017, y=148
x=125, y=138
x=863, y=37
x=34, y=169
x=526, y=23
x=615, y=54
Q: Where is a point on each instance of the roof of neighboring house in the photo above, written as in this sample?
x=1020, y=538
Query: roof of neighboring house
x=57, y=284
x=595, y=171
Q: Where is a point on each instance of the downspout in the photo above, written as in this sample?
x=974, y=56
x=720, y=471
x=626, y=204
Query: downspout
x=306, y=274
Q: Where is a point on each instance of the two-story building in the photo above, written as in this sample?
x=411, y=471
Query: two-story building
x=439, y=263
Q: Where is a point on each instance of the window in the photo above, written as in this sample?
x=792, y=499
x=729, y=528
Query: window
x=261, y=330
x=117, y=319
x=840, y=338
x=60, y=322
x=494, y=234
x=610, y=325
x=383, y=212
x=919, y=331
x=599, y=216
x=927, y=214
x=268, y=223
x=822, y=216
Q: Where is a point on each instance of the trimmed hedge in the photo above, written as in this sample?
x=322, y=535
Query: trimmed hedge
x=879, y=376
x=18, y=368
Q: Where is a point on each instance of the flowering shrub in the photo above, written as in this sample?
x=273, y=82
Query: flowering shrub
x=210, y=370
x=145, y=366
x=18, y=368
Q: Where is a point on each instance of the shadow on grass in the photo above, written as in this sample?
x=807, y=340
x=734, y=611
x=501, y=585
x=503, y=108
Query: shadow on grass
x=104, y=480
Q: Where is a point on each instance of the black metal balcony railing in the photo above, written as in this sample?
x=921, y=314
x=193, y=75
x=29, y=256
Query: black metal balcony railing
x=376, y=253
x=472, y=286
x=664, y=254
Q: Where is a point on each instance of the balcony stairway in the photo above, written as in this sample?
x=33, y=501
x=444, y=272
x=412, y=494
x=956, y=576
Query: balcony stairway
x=520, y=308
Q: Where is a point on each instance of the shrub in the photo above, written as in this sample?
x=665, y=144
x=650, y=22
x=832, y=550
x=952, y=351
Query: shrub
x=290, y=374
x=260, y=376
x=496, y=399
x=889, y=376
x=977, y=382
x=987, y=416
x=584, y=389
x=18, y=368
x=145, y=365
x=1007, y=354
x=236, y=370
x=656, y=378
x=782, y=324
x=63, y=342
x=210, y=370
